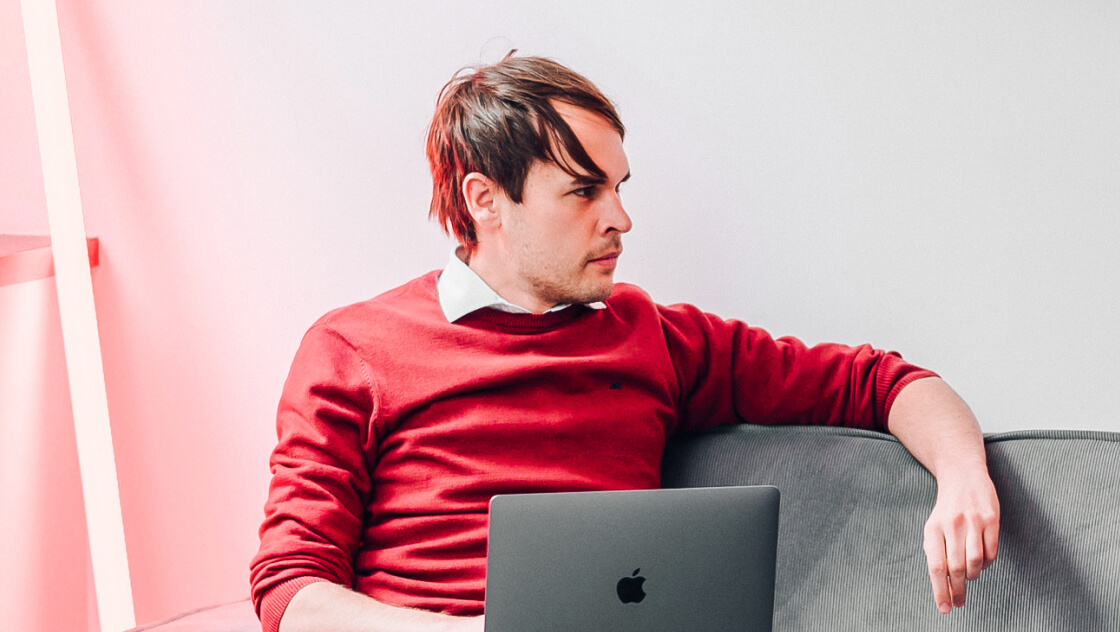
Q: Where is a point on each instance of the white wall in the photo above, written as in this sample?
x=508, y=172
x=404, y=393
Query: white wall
x=936, y=178
x=941, y=179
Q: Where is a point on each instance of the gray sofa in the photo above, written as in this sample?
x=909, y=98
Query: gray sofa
x=853, y=507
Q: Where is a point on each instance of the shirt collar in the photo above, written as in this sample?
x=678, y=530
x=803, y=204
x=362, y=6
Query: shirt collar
x=461, y=291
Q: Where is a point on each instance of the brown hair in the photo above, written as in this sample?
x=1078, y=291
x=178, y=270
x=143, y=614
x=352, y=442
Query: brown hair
x=497, y=120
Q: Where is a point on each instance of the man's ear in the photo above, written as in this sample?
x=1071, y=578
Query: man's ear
x=481, y=195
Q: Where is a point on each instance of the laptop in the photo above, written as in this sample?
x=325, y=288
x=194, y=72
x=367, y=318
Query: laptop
x=685, y=560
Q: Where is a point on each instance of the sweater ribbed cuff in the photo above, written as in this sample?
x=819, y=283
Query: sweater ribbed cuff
x=275, y=601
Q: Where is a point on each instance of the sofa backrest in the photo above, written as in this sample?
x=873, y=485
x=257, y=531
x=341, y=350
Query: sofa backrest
x=850, y=533
x=854, y=504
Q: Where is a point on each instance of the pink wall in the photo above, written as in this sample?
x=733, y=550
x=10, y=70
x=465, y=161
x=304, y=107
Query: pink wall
x=202, y=205
x=192, y=469
x=44, y=554
x=172, y=315
x=204, y=289
x=22, y=202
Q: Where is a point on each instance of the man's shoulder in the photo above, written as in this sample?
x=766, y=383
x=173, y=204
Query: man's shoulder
x=415, y=299
x=629, y=294
x=628, y=298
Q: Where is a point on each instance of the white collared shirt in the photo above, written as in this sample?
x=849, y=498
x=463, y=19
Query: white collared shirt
x=461, y=291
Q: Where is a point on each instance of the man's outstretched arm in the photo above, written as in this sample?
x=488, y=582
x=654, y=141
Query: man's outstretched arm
x=326, y=606
x=962, y=533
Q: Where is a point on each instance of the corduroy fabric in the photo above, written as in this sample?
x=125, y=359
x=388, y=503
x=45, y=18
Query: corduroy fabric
x=854, y=504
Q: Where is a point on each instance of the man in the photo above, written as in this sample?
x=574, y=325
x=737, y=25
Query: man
x=523, y=367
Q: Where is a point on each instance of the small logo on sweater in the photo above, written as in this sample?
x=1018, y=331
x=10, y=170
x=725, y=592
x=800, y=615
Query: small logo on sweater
x=616, y=386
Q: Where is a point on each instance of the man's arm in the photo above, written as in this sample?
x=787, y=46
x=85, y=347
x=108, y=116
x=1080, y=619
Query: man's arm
x=326, y=606
x=962, y=533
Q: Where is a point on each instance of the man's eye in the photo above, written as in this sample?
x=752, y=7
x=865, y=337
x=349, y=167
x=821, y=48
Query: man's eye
x=585, y=192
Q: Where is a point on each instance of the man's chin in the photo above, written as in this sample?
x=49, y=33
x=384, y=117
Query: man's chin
x=598, y=295
x=583, y=293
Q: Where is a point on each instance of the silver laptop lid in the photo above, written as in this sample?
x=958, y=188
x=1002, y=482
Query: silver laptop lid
x=695, y=560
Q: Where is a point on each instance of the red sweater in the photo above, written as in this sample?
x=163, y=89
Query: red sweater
x=396, y=427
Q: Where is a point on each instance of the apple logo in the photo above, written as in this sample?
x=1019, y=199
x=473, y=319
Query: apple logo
x=630, y=588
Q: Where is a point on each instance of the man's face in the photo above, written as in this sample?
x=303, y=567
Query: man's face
x=563, y=241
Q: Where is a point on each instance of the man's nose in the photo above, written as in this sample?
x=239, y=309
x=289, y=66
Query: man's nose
x=615, y=216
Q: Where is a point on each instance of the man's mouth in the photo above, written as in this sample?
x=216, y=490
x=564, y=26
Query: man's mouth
x=608, y=259
x=611, y=254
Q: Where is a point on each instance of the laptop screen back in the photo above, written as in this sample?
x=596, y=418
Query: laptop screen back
x=696, y=560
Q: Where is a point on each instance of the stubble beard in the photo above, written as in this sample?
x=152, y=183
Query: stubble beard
x=572, y=293
x=555, y=283
x=555, y=287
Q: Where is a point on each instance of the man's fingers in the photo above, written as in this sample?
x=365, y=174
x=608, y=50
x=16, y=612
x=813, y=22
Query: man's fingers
x=961, y=540
x=974, y=550
x=938, y=570
x=955, y=558
x=991, y=543
x=961, y=537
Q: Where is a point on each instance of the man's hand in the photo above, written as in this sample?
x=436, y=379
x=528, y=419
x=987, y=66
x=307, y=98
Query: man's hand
x=474, y=624
x=325, y=606
x=961, y=537
x=471, y=624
